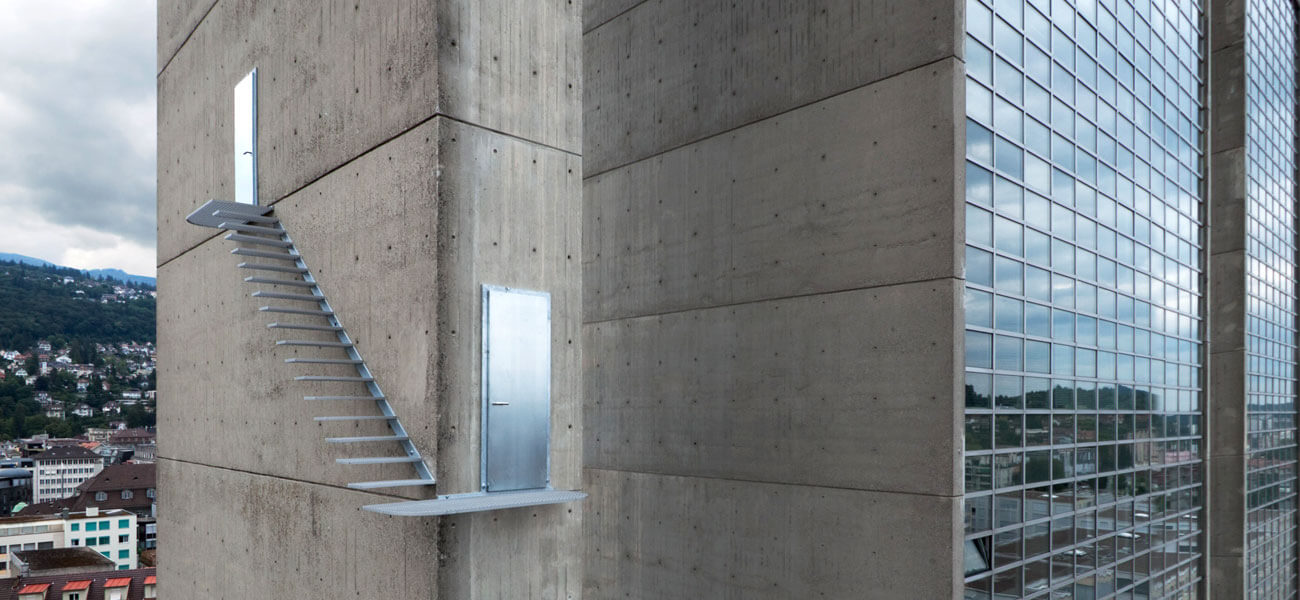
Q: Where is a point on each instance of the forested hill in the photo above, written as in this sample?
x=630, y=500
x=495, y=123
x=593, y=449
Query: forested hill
x=62, y=305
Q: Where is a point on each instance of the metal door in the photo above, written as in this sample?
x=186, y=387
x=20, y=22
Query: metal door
x=516, y=389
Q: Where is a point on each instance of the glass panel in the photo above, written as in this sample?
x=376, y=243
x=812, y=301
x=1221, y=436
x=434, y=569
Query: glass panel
x=1090, y=115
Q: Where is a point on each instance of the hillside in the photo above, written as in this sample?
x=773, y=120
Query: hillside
x=117, y=274
x=63, y=305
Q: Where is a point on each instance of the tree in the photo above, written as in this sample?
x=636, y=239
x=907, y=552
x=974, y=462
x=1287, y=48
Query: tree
x=137, y=416
x=96, y=395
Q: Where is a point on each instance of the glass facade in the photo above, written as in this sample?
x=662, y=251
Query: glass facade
x=1270, y=300
x=1084, y=180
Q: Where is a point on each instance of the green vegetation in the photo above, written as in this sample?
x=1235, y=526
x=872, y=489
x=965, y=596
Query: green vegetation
x=22, y=416
x=36, y=304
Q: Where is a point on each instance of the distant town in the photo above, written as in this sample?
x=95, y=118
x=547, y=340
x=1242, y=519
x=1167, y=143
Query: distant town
x=78, y=399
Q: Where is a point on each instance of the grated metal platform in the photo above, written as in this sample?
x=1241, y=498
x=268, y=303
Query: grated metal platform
x=475, y=502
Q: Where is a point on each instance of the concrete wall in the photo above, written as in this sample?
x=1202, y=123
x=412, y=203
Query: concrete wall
x=772, y=268
x=415, y=151
x=1226, y=264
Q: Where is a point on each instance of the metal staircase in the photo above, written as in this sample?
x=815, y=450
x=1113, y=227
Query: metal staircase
x=281, y=265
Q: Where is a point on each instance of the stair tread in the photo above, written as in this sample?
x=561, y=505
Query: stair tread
x=367, y=485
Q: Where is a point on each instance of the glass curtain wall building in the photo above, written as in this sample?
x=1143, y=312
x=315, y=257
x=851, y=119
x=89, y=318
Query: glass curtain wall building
x=1084, y=229
x=1270, y=62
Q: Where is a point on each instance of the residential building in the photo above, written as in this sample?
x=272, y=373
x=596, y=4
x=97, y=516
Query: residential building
x=135, y=584
x=112, y=533
x=15, y=487
x=149, y=541
x=59, y=470
x=976, y=299
x=135, y=444
x=35, y=532
x=99, y=434
x=128, y=486
x=131, y=437
x=145, y=453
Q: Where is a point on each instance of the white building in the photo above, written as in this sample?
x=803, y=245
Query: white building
x=28, y=533
x=112, y=533
x=59, y=470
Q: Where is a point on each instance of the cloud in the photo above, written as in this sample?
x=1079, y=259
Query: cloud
x=24, y=231
x=77, y=132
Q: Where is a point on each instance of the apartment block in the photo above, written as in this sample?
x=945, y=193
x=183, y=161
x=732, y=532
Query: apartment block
x=112, y=533
x=58, y=471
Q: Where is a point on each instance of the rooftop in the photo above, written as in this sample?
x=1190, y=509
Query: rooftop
x=112, y=480
x=132, y=434
x=126, y=476
x=62, y=558
x=65, y=452
x=99, y=581
x=49, y=511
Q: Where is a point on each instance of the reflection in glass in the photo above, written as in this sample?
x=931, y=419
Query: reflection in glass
x=1105, y=300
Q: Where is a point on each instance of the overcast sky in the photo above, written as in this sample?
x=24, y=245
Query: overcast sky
x=77, y=132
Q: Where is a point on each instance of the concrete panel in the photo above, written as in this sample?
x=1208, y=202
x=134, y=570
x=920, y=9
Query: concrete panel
x=1227, y=400
x=675, y=71
x=176, y=20
x=1228, y=200
x=227, y=534
x=597, y=12
x=1227, y=311
x=513, y=66
x=526, y=553
x=1228, y=496
x=369, y=234
x=352, y=75
x=508, y=216
x=830, y=390
x=654, y=536
x=1227, y=23
x=1228, y=98
x=1227, y=577
x=857, y=190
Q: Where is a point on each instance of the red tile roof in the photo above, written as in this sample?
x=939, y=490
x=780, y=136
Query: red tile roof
x=97, y=583
x=119, y=582
x=76, y=585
